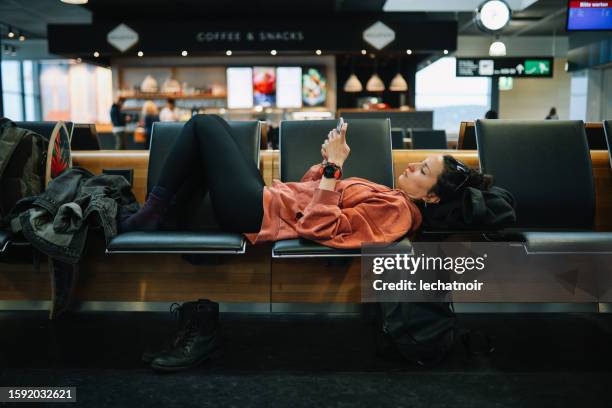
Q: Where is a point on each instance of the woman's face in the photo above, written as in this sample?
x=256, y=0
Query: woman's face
x=419, y=178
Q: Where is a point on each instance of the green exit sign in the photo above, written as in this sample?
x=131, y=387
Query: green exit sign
x=537, y=67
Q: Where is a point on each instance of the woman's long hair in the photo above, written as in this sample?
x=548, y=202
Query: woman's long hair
x=456, y=177
x=149, y=109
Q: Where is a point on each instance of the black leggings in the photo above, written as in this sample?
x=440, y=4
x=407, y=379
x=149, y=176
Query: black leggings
x=208, y=144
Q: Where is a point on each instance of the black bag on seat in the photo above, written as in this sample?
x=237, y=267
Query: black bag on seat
x=421, y=333
x=23, y=156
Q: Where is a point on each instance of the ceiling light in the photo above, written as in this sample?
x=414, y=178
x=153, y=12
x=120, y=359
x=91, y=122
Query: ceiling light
x=408, y=52
x=363, y=52
x=96, y=54
x=445, y=52
x=492, y=15
x=11, y=33
x=497, y=49
x=398, y=84
x=353, y=84
x=318, y=52
x=273, y=52
x=140, y=53
x=184, y=53
x=228, y=53
x=79, y=60
x=22, y=38
x=375, y=84
x=74, y=1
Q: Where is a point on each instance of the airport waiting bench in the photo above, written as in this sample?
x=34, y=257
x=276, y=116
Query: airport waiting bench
x=203, y=238
x=282, y=282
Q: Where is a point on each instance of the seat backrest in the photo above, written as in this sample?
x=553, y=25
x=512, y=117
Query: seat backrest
x=84, y=137
x=369, y=140
x=467, y=136
x=596, y=137
x=199, y=215
x=607, y=126
x=428, y=139
x=399, y=118
x=397, y=138
x=44, y=128
x=546, y=165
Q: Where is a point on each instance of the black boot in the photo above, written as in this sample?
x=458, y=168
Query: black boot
x=180, y=312
x=148, y=217
x=197, y=339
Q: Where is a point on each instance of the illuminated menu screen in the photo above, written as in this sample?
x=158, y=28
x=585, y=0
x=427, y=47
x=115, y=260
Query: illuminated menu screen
x=264, y=86
x=239, y=88
x=282, y=87
x=289, y=87
x=589, y=15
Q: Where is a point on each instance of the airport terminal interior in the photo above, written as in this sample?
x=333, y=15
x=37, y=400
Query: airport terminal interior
x=306, y=203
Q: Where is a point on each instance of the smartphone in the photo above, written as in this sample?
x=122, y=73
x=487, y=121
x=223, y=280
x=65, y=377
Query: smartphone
x=340, y=124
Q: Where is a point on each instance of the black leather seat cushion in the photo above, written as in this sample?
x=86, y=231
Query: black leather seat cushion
x=567, y=242
x=179, y=242
x=4, y=240
x=302, y=248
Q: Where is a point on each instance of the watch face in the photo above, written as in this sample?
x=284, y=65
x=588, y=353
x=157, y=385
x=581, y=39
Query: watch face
x=329, y=171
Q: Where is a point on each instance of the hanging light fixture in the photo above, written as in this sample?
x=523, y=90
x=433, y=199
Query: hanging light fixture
x=353, y=84
x=398, y=83
x=497, y=48
x=375, y=84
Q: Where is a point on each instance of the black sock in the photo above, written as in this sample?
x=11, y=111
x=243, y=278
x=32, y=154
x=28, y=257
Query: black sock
x=149, y=215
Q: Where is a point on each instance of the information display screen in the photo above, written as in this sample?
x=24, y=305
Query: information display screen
x=314, y=86
x=281, y=87
x=264, y=86
x=589, y=15
x=527, y=67
x=239, y=88
x=289, y=87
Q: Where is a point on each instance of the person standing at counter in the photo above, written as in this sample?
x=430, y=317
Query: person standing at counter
x=118, y=120
x=150, y=115
x=322, y=207
x=169, y=112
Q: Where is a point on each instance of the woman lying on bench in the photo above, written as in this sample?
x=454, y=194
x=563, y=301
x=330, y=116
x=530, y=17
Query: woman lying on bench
x=340, y=213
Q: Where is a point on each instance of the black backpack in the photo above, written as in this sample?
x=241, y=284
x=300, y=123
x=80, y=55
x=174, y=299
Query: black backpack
x=23, y=157
x=421, y=333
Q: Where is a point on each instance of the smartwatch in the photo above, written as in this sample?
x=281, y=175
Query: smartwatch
x=331, y=171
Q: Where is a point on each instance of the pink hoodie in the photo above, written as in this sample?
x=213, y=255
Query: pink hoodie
x=357, y=212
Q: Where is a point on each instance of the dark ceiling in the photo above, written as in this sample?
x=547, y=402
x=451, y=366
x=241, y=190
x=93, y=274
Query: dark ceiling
x=544, y=17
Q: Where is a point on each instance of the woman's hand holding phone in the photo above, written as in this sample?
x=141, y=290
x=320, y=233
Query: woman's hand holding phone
x=335, y=149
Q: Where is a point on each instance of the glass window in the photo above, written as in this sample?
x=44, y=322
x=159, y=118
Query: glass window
x=12, y=97
x=12, y=106
x=452, y=99
x=11, y=76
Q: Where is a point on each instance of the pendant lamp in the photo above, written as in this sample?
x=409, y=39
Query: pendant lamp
x=375, y=84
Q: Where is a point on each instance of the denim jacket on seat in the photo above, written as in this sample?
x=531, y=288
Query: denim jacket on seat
x=56, y=222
